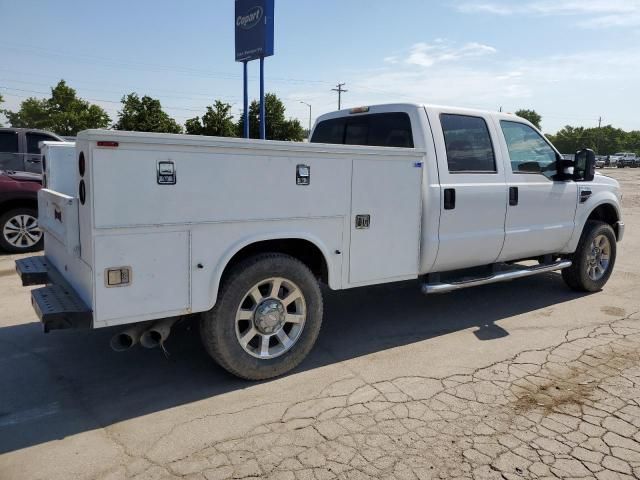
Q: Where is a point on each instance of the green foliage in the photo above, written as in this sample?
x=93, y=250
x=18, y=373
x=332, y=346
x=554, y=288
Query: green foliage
x=530, y=115
x=605, y=141
x=144, y=115
x=278, y=127
x=64, y=113
x=217, y=122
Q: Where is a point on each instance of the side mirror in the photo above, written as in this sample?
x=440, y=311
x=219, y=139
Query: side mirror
x=584, y=167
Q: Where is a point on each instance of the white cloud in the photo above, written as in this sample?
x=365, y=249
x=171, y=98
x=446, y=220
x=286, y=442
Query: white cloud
x=427, y=55
x=592, y=13
x=566, y=89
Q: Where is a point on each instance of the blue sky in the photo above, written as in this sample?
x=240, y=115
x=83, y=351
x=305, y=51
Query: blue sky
x=572, y=61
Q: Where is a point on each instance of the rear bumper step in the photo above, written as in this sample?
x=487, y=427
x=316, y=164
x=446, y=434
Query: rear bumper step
x=57, y=305
x=514, y=273
x=33, y=270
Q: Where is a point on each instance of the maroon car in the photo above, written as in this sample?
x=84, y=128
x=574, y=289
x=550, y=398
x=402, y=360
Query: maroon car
x=19, y=231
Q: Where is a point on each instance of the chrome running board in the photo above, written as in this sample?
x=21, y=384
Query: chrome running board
x=516, y=272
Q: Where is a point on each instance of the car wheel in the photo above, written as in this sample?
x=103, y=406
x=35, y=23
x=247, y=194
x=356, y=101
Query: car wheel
x=19, y=231
x=267, y=317
x=593, y=260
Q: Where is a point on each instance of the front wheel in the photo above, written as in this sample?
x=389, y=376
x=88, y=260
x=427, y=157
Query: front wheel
x=594, y=258
x=267, y=317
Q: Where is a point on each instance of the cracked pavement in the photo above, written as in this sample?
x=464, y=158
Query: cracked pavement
x=518, y=380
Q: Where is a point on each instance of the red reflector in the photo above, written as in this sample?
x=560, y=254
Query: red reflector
x=107, y=144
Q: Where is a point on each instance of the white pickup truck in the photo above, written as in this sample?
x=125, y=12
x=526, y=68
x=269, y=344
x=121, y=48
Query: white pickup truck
x=243, y=232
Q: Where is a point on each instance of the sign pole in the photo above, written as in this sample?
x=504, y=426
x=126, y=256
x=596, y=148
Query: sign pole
x=254, y=27
x=246, y=102
x=263, y=119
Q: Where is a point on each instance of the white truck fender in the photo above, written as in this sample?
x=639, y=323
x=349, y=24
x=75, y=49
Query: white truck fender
x=584, y=210
x=333, y=268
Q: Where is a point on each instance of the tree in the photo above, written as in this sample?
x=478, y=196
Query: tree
x=530, y=115
x=64, y=113
x=1, y=111
x=605, y=140
x=278, y=127
x=217, y=122
x=144, y=115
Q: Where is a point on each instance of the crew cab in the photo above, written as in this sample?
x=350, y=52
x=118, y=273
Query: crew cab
x=19, y=148
x=243, y=232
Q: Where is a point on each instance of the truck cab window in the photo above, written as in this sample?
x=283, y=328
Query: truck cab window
x=380, y=129
x=329, y=131
x=468, y=144
x=357, y=131
x=8, y=142
x=528, y=151
x=34, y=138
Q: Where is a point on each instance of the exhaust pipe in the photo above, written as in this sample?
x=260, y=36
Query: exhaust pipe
x=128, y=338
x=158, y=333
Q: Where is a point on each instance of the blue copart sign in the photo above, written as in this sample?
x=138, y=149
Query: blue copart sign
x=254, y=29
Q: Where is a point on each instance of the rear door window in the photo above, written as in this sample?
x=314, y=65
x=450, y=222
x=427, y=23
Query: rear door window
x=468, y=144
x=34, y=138
x=8, y=142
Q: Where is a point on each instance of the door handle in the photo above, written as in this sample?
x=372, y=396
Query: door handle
x=513, y=196
x=34, y=160
x=449, y=198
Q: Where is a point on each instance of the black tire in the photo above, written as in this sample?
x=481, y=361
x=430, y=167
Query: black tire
x=18, y=246
x=218, y=326
x=576, y=276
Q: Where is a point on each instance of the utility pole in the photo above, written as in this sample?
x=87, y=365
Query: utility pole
x=308, y=105
x=598, y=139
x=340, y=91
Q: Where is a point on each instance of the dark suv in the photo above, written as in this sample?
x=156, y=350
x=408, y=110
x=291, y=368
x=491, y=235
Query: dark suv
x=19, y=231
x=19, y=148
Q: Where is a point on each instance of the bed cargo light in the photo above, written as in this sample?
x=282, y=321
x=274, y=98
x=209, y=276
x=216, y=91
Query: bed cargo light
x=359, y=110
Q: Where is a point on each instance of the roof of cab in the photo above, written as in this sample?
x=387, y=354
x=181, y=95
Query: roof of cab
x=406, y=107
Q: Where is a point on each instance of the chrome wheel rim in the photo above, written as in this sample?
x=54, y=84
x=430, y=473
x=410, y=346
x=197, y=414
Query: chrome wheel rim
x=598, y=258
x=270, y=318
x=22, y=231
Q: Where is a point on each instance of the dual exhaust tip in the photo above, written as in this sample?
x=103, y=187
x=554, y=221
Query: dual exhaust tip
x=148, y=334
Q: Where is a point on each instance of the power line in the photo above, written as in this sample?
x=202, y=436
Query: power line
x=110, y=62
x=340, y=91
x=97, y=99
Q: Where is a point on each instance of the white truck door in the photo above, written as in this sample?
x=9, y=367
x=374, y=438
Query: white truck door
x=385, y=220
x=473, y=189
x=540, y=211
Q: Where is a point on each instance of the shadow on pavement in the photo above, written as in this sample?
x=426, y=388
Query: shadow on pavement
x=69, y=382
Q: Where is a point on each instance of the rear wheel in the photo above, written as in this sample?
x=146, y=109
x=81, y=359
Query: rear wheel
x=594, y=258
x=19, y=231
x=267, y=317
